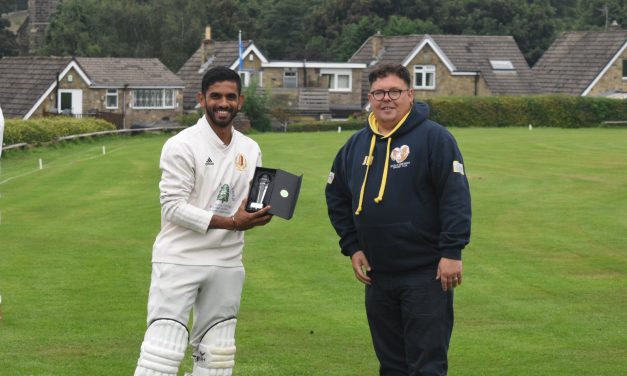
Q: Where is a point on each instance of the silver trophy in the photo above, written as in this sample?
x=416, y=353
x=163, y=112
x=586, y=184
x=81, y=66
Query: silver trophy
x=262, y=187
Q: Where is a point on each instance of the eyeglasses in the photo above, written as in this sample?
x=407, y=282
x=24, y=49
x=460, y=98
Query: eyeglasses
x=394, y=94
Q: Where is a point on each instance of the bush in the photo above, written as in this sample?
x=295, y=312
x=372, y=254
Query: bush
x=190, y=118
x=41, y=130
x=255, y=107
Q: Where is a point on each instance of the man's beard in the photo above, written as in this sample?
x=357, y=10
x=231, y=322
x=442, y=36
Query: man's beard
x=218, y=122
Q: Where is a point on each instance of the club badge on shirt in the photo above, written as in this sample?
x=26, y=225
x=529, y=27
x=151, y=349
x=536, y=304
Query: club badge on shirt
x=240, y=162
x=225, y=200
x=399, y=155
x=458, y=167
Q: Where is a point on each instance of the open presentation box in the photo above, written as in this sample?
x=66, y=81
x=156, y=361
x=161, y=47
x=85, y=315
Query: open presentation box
x=274, y=187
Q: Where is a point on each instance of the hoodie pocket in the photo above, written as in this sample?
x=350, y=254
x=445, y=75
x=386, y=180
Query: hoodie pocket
x=396, y=247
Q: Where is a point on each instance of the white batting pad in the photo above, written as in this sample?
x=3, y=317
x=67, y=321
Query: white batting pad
x=216, y=352
x=163, y=349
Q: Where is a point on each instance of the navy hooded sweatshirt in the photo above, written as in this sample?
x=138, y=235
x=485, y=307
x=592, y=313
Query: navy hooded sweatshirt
x=409, y=215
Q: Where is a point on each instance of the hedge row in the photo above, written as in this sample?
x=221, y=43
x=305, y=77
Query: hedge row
x=41, y=130
x=540, y=111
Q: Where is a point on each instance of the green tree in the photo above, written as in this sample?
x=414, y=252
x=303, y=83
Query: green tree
x=70, y=31
x=171, y=30
x=8, y=41
x=255, y=107
x=534, y=29
x=353, y=35
x=274, y=23
x=601, y=13
x=400, y=25
x=13, y=5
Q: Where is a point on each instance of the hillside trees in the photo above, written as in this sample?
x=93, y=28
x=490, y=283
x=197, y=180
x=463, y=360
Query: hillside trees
x=171, y=30
x=8, y=43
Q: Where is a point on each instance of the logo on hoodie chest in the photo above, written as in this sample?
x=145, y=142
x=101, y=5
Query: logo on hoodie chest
x=399, y=155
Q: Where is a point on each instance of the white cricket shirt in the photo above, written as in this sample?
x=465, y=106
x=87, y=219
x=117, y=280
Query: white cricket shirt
x=201, y=177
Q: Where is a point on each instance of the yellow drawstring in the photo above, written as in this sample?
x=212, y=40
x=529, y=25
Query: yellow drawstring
x=384, y=179
x=372, y=121
x=368, y=163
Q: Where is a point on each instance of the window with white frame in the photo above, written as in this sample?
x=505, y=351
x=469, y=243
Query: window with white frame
x=625, y=69
x=112, y=98
x=339, y=79
x=424, y=76
x=153, y=98
x=290, y=78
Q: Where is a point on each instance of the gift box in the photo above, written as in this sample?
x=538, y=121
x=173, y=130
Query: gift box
x=274, y=187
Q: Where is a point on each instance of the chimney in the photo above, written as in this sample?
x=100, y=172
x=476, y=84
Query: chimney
x=377, y=44
x=207, y=47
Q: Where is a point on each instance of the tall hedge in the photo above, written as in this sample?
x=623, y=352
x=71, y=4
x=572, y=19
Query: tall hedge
x=540, y=111
x=41, y=130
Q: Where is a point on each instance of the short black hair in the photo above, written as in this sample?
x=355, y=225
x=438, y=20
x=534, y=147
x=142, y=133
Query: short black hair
x=385, y=70
x=218, y=74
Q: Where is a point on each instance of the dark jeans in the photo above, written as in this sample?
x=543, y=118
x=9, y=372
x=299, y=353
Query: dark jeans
x=411, y=320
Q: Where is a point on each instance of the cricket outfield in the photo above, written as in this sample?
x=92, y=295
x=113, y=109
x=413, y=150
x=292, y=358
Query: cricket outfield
x=545, y=275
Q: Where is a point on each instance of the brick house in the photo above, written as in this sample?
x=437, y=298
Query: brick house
x=303, y=87
x=126, y=91
x=585, y=63
x=451, y=65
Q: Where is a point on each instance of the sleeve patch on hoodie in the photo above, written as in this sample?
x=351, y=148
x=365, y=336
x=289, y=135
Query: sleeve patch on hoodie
x=458, y=167
x=331, y=177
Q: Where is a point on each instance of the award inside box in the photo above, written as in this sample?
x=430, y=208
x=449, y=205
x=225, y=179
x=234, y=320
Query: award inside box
x=276, y=188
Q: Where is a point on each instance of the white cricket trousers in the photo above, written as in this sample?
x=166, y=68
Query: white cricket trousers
x=213, y=292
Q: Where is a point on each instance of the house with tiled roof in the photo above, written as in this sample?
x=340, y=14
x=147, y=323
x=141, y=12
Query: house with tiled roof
x=25, y=83
x=302, y=87
x=451, y=65
x=585, y=63
x=126, y=91
x=214, y=53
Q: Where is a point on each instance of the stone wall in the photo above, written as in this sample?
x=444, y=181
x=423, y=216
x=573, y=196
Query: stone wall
x=446, y=84
x=612, y=80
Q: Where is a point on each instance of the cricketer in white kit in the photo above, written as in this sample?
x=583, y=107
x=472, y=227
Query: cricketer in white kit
x=197, y=255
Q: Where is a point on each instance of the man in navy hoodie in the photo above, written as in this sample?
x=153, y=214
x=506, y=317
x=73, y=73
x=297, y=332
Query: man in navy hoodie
x=398, y=197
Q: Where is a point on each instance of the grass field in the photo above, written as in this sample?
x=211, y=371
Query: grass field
x=545, y=276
